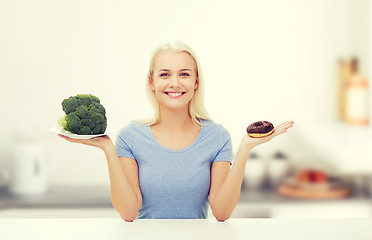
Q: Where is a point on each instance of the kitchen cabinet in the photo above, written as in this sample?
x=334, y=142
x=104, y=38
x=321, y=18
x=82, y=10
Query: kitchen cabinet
x=347, y=148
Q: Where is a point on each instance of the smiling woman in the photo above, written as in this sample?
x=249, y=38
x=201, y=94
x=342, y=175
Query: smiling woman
x=178, y=162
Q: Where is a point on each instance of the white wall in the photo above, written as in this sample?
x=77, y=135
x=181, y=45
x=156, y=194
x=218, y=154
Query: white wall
x=262, y=60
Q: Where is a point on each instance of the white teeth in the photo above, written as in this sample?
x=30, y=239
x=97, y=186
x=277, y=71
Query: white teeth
x=174, y=94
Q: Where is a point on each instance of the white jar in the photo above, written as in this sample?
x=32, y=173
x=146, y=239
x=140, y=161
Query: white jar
x=29, y=169
x=277, y=168
x=254, y=171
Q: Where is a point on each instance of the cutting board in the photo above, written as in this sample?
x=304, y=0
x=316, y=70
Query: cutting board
x=327, y=190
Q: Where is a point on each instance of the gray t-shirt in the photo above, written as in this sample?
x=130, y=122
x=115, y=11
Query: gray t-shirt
x=174, y=183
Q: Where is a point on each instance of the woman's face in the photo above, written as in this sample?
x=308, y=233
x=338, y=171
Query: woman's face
x=174, y=79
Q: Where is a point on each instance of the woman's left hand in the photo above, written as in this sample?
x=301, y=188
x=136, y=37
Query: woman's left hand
x=249, y=142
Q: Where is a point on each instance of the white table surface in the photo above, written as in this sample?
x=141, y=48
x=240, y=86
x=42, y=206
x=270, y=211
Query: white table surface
x=238, y=228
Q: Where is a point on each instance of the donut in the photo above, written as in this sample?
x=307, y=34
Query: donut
x=260, y=129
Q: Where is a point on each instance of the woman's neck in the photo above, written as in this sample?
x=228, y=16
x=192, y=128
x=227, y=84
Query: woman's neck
x=175, y=120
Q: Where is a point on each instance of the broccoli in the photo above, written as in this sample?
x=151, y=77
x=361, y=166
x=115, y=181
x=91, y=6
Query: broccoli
x=85, y=115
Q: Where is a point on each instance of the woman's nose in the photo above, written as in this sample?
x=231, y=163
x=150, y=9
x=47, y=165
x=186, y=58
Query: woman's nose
x=174, y=81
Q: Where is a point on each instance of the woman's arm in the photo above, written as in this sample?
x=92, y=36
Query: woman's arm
x=125, y=191
x=126, y=195
x=226, y=186
x=226, y=183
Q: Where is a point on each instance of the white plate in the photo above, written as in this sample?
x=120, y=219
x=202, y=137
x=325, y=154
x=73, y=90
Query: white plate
x=60, y=130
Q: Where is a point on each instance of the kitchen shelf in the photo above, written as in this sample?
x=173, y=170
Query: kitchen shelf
x=270, y=196
x=347, y=148
x=94, y=201
x=59, y=197
x=99, y=197
x=267, y=203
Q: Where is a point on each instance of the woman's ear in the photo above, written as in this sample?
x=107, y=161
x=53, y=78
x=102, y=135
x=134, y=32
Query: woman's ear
x=196, y=84
x=151, y=83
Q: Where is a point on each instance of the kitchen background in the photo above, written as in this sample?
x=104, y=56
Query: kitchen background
x=261, y=60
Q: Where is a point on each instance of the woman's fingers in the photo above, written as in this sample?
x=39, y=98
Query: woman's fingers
x=282, y=128
x=72, y=139
x=64, y=137
x=288, y=125
x=285, y=124
x=280, y=125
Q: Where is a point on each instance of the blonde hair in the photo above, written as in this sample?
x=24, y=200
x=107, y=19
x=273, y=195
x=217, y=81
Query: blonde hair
x=196, y=106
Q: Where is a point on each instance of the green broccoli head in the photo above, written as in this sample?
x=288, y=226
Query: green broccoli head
x=82, y=111
x=85, y=115
x=97, y=107
x=87, y=99
x=73, y=123
x=70, y=104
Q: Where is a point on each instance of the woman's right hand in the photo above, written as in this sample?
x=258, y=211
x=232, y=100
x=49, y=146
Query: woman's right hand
x=102, y=142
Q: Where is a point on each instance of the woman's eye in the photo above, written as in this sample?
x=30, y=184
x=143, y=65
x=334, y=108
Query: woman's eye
x=185, y=74
x=164, y=75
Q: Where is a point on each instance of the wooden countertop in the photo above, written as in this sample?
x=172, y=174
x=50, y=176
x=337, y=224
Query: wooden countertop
x=190, y=229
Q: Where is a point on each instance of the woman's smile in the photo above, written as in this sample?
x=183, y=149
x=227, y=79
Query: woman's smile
x=174, y=94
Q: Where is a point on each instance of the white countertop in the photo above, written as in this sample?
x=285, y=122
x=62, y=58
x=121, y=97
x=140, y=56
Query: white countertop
x=190, y=229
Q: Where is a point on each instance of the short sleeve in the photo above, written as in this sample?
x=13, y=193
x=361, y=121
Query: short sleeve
x=124, y=141
x=224, y=146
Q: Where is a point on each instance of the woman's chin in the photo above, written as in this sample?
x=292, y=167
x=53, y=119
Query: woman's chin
x=175, y=106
